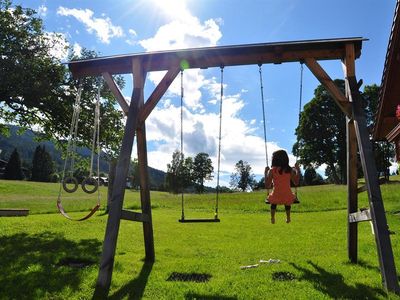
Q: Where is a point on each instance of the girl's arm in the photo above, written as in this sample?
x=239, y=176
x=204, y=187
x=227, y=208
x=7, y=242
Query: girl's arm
x=296, y=174
x=268, y=178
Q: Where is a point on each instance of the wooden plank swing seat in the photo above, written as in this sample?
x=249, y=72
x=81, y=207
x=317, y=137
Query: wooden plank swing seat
x=309, y=52
x=214, y=220
x=14, y=212
x=87, y=216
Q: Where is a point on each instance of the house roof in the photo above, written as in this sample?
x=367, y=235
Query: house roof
x=386, y=126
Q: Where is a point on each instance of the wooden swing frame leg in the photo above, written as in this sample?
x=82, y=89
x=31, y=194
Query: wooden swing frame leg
x=377, y=210
x=116, y=212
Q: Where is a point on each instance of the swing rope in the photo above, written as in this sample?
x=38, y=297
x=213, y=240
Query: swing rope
x=265, y=127
x=219, y=140
x=215, y=219
x=301, y=88
x=181, y=154
x=71, y=147
x=300, y=106
x=263, y=112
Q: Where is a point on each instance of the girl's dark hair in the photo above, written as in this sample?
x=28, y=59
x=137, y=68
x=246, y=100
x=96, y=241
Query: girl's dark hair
x=281, y=159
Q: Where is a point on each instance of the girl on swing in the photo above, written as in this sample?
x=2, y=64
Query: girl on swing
x=279, y=177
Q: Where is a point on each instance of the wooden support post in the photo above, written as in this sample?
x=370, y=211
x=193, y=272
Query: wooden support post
x=114, y=215
x=377, y=210
x=158, y=92
x=144, y=176
x=382, y=238
x=328, y=83
x=352, y=195
x=116, y=92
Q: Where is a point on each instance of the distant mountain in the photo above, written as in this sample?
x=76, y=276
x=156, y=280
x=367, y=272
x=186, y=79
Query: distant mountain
x=26, y=145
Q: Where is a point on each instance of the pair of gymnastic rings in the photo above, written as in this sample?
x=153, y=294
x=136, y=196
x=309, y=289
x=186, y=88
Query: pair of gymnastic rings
x=90, y=184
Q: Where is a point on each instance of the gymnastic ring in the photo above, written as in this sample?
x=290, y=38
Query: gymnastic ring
x=70, y=180
x=90, y=181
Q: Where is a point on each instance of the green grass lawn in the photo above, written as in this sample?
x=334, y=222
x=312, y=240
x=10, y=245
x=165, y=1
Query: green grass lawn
x=312, y=249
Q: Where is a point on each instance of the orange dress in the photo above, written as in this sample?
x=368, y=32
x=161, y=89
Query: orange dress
x=281, y=193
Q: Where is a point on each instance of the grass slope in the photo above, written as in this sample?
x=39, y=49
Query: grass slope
x=312, y=249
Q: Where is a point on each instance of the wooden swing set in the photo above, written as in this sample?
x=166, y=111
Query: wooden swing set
x=347, y=50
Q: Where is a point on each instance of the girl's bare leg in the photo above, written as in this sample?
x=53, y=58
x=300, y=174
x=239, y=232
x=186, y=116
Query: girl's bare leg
x=273, y=211
x=287, y=209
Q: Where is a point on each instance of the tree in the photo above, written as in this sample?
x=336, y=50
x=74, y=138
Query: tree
x=13, y=170
x=134, y=174
x=179, y=173
x=30, y=76
x=321, y=134
x=383, y=151
x=260, y=184
x=37, y=90
x=202, y=170
x=242, y=178
x=311, y=177
x=42, y=165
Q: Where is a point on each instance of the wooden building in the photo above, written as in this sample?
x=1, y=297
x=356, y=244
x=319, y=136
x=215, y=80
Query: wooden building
x=387, y=125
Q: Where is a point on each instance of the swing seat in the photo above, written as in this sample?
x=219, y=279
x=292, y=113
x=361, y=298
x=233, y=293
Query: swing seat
x=214, y=220
x=91, y=212
x=296, y=201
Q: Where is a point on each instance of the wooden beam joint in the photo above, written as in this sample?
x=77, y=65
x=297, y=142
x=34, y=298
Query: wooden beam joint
x=361, y=216
x=364, y=188
x=134, y=216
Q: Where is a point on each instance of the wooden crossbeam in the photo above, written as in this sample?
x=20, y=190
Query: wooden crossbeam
x=208, y=57
x=360, y=216
x=134, y=216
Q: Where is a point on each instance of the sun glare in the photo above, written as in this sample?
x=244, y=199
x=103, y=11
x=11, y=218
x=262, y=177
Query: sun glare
x=174, y=9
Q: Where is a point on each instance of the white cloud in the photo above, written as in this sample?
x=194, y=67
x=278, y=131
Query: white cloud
x=179, y=35
x=201, y=131
x=58, y=45
x=131, y=40
x=102, y=27
x=42, y=11
x=201, y=111
x=77, y=49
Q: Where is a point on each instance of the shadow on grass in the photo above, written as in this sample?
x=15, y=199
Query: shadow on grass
x=364, y=264
x=192, y=296
x=30, y=264
x=333, y=285
x=135, y=288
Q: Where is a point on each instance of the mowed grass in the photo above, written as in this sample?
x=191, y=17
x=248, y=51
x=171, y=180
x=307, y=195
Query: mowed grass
x=312, y=249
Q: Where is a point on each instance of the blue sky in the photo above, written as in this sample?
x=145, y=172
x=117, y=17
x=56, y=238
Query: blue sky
x=120, y=27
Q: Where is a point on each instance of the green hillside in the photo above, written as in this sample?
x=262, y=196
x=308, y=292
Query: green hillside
x=26, y=143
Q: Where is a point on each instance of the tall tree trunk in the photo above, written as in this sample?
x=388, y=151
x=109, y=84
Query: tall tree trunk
x=334, y=174
x=111, y=176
